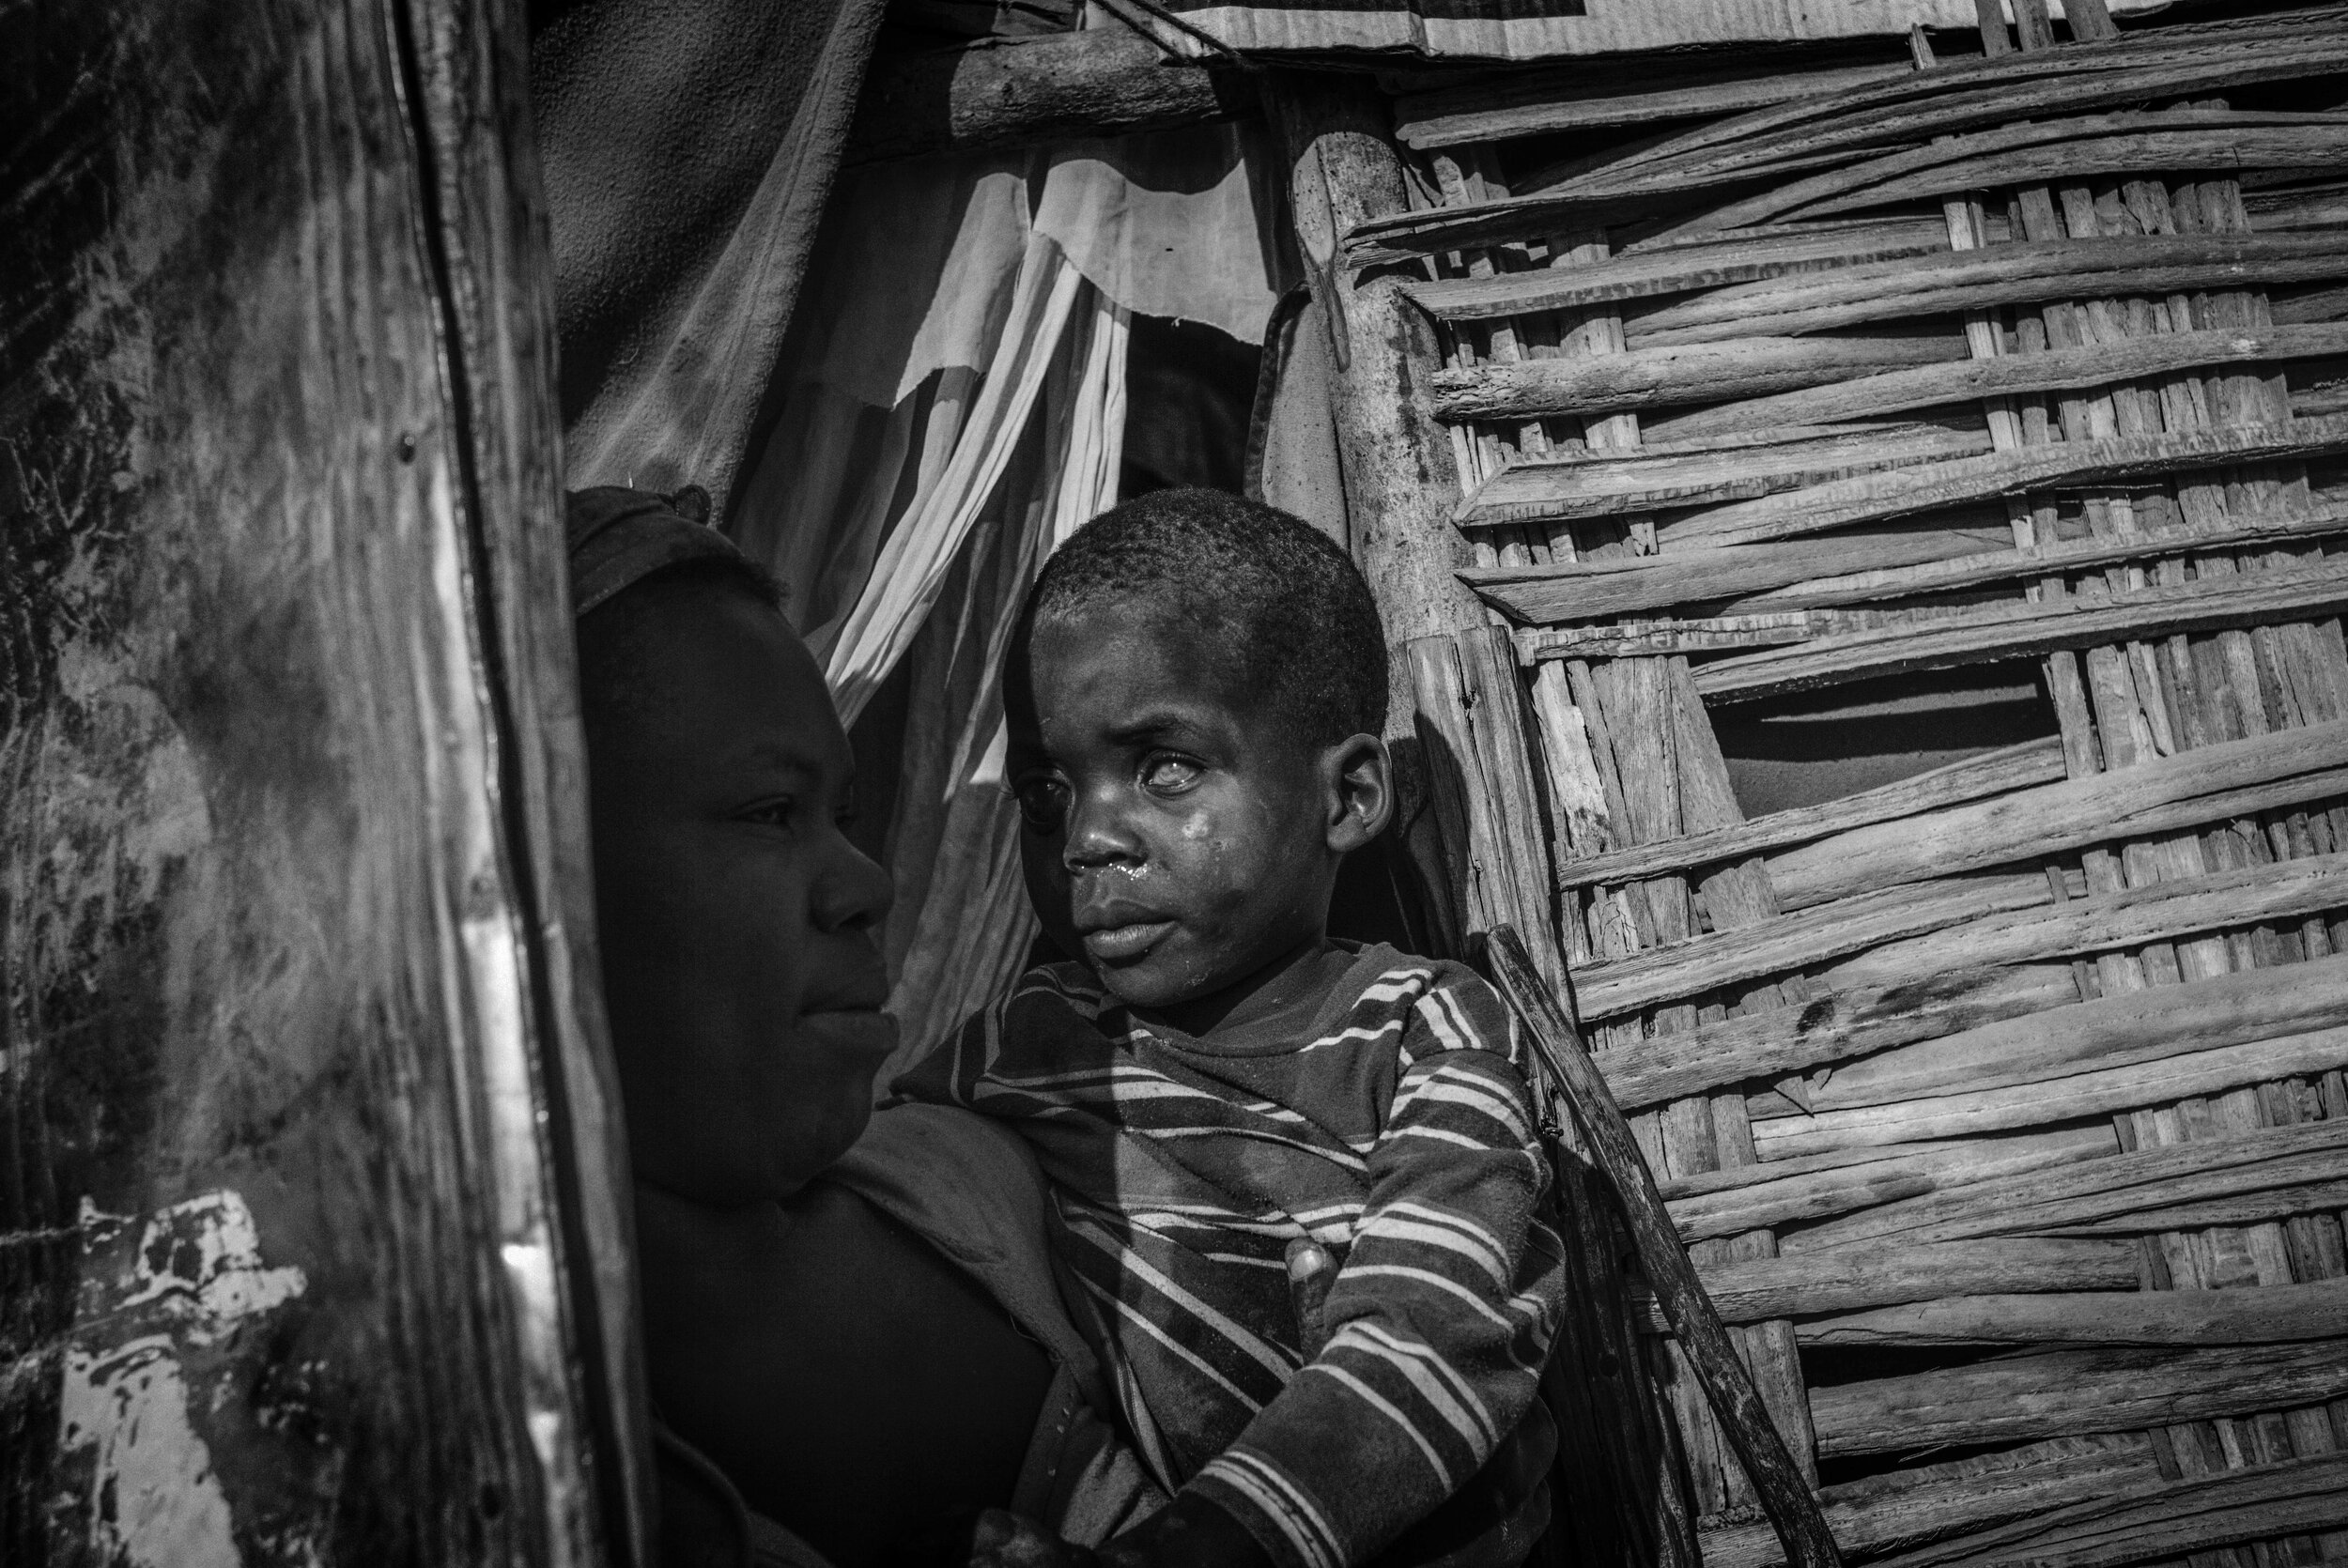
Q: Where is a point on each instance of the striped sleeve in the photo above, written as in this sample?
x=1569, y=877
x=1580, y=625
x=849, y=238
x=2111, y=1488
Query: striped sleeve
x=1440, y=1316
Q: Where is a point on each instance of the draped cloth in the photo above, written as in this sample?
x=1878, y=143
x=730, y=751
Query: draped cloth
x=688, y=153
x=904, y=382
x=952, y=408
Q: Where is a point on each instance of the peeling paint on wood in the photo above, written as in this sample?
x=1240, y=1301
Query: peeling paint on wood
x=301, y=1263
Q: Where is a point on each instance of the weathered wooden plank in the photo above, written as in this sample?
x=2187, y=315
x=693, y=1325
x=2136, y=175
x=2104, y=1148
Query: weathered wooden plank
x=2160, y=1519
x=2124, y=918
x=2068, y=1391
x=1474, y=731
x=1938, y=100
x=2112, y=1187
x=1745, y=1421
x=1728, y=633
x=1855, y=1279
x=1924, y=104
x=1754, y=579
x=2320, y=1194
x=1993, y=773
x=1958, y=575
x=1025, y=92
x=1829, y=1028
x=1936, y=385
x=1573, y=98
x=1596, y=588
x=1647, y=379
x=2064, y=465
x=2233, y=1008
x=2024, y=631
x=2188, y=789
x=1580, y=488
x=1712, y=262
x=292, y=1265
x=1608, y=987
x=2069, y=148
x=1944, y=283
x=1954, y=1502
x=1727, y=1202
x=1398, y=465
x=1928, y=928
x=2269, y=1314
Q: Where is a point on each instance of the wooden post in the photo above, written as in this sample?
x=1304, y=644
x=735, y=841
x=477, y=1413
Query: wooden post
x=1745, y=1421
x=1470, y=794
x=312, y=1230
x=1335, y=132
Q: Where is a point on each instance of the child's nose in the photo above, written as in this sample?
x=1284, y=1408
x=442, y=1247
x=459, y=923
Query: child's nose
x=1099, y=835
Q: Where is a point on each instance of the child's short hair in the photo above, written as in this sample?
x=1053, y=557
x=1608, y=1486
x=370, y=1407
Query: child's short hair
x=1298, y=615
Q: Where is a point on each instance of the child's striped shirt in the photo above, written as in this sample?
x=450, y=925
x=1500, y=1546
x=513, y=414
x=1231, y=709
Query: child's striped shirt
x=1385, y=1113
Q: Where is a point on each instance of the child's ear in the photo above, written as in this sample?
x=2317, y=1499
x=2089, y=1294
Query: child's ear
x=1360, y=777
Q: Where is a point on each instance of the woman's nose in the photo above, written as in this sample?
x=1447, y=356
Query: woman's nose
x=853, y=893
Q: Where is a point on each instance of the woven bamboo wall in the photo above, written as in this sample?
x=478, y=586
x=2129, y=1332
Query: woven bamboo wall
x=2002, y=1107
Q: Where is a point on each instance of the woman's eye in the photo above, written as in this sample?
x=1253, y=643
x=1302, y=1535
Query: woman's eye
x=770, y=813
x=1044, y=803
x=1168, y=774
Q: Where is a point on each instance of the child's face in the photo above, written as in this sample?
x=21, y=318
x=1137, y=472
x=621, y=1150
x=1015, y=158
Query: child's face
x=1180, y=832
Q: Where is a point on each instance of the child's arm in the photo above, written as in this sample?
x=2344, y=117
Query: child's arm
x=1440, y=1318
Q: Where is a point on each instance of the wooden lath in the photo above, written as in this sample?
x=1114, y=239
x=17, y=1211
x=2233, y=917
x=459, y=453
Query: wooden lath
x=2076, y=1009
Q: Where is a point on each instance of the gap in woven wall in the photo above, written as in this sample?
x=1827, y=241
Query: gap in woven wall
x=1807, y=747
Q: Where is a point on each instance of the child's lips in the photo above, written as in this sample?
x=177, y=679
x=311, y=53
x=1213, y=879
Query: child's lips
x=1122, y=943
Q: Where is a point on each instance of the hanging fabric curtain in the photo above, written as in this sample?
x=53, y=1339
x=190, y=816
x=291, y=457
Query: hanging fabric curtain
x=958, y=410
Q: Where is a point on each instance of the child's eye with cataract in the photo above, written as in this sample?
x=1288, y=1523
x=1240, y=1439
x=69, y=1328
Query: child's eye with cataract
x=1043, y=802
x=1168, y=776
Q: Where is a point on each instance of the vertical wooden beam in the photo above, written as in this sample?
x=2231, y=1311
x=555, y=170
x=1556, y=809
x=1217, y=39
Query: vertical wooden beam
x=304, y=1131
x=1400, y=482
x=1336, y=133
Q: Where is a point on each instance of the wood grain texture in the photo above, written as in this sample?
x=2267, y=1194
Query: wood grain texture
x=2003, y=633
x=1529, y=102
x=1875, y=397
x=1858, y=1278
x=1946, y=284
x=1859, y=1181
x=1737, y=256
x=2271, y=1315
x=2234, y=1008
x=295, y=1021
x=2211, y=784
x=1918, y=1505
x=1573, y=1077
x=1028, y=92
x=1650, y=379
x=2069, y=1391
x=1831, y=1027
x=1577, y=487
x=2109, y=1187
x=1993, y=773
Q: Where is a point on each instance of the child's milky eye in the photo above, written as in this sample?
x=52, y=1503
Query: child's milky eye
x=1043, y=802
x=1168, y=774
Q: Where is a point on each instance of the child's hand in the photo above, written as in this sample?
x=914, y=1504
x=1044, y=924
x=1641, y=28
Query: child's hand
x=1002, y=1538
x=1189, y=1532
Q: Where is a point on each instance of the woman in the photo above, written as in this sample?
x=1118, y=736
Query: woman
x=852, y=1336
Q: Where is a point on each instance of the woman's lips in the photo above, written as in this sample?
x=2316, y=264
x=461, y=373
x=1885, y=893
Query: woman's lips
x=858, y=1030
x=1125, y=943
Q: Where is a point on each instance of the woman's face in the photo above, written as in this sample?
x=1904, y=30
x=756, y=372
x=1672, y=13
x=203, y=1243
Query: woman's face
x=736, y=922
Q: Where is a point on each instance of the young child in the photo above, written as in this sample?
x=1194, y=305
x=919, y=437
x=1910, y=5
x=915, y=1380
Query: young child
x=1195, y=696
